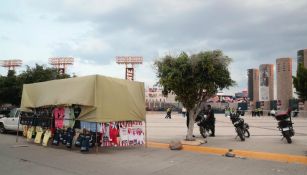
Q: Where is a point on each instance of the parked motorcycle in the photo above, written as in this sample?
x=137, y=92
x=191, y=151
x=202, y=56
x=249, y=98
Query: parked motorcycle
x=204, y=126
x=240, y=125
x=285, y=125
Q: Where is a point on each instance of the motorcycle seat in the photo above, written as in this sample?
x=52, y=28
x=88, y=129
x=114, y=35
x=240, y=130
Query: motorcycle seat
x=281, y=114
x=284, y=113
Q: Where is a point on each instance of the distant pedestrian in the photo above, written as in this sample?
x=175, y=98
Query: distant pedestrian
x=260, y=112
x=184, y=111
x=169, y=113
x=227, y=111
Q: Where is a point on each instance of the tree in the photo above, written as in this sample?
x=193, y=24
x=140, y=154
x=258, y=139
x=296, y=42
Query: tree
x=40, y=73
x=9, y=88
x=300, y=82
x=11, y=85
x=194, y=79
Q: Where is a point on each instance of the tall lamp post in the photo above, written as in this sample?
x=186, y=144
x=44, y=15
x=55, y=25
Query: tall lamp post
x=61, y=63
x=130, y=62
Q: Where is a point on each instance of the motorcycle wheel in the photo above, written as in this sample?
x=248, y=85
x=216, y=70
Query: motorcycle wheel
x=246, y=133
x=288, y=137
x=241, y=134
x=203, y=132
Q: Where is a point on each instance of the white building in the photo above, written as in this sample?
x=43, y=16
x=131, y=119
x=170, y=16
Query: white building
x=155, y=100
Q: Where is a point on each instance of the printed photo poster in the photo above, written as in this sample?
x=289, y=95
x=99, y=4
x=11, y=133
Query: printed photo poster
x=135, y=133
x=124, y=133
x=264, y=83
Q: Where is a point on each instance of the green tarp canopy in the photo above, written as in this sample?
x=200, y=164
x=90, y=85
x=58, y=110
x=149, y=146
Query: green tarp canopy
x=102, y=99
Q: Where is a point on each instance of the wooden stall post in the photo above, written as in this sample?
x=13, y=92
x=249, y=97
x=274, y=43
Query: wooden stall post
x=96, y=138
x=146, y=139
x=18, y=129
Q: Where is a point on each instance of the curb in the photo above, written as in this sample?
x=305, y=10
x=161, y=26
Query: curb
x=287, y=158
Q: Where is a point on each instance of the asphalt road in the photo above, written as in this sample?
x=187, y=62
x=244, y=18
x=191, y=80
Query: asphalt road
x=34, y=159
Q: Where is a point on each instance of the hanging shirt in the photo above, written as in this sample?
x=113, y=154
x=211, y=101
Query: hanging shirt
x=123, y=133
x=72, y=117
x=113, y=134
x=130, y=134
x=67, y=117
x=142, y=138
x=58, y=114
x=107, y=131
x=77, y=111
x=91, y=126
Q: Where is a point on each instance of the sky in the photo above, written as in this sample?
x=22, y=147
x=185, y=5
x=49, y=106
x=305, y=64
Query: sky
x=94, y=32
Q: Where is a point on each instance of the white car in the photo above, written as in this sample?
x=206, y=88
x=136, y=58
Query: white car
x=10, y=122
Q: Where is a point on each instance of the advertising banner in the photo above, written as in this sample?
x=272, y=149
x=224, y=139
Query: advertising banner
x=264, y=83
x=130, y=74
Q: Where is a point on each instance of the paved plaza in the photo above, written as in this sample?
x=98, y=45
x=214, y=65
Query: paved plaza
x=265, y=135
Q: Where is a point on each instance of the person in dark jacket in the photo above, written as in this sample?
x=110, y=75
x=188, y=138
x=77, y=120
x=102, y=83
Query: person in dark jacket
x=211, y=120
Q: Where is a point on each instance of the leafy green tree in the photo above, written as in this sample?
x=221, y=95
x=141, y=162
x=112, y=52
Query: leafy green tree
x=194, y=79
x=40, y=73
x=300, y=82
x=11, y=85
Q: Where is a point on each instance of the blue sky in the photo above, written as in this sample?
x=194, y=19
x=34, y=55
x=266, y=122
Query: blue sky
x=94, y=32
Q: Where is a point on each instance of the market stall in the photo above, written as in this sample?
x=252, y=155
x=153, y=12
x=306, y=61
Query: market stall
x=111, y=111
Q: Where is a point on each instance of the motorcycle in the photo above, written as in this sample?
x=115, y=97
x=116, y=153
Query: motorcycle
x=240, y=125
x=204, y=126
x=285, y=125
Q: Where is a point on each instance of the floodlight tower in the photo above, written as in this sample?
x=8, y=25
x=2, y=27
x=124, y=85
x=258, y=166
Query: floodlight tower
x=61, y=63
x=10, y=64
x=129, y=61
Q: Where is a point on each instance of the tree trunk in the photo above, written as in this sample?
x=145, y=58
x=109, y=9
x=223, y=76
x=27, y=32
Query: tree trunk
x=191, y=126
x=192, y=116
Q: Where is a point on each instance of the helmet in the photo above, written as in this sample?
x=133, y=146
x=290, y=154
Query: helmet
x=273, y=112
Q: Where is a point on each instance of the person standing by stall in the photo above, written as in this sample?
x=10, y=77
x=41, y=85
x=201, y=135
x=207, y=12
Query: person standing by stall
x=211, y=120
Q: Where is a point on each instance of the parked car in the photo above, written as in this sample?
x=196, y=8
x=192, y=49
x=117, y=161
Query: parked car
x=10, y=121
x=4, y=112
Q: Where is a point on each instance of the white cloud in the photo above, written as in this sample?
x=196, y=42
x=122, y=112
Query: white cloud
x=89, y=45
x=143, y=72
x=95, y=32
